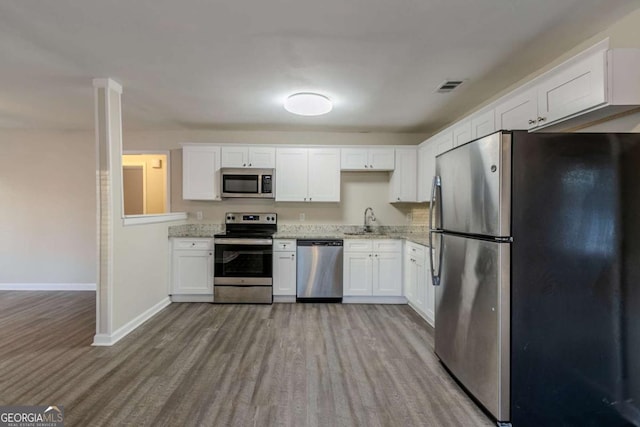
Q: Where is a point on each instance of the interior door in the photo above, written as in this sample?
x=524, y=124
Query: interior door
x=472, y=311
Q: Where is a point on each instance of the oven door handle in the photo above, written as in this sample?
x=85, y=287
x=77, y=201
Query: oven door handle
x=226, y=241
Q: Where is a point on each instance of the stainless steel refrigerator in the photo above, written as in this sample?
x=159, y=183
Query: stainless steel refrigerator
x=536, y=264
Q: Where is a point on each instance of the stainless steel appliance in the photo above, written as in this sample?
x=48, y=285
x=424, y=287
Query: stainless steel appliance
x=243, y=271
x=248, y=183
x=319, y=270
x=537, y=239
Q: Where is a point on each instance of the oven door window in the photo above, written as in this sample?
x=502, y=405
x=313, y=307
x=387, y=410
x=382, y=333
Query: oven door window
x=243, y=261
x=242, y=184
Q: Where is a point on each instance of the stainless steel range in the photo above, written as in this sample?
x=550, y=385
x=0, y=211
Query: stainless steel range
x=244, y=259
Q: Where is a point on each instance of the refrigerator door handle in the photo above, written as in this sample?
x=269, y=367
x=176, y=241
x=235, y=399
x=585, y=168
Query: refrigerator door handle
x=434, y=185
x=435, y=276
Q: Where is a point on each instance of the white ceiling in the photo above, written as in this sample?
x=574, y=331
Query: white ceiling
x=230, y=64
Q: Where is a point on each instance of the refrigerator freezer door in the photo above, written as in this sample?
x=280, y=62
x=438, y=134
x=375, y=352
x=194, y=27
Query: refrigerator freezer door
x=472, y=312
x=474, y=196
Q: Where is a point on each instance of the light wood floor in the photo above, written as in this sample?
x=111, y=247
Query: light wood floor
x=237, y=365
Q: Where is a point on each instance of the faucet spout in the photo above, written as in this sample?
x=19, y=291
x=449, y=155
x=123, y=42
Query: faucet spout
x=368, y=218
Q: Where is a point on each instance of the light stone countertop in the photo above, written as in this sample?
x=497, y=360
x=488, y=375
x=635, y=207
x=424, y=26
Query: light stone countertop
x=415, y=234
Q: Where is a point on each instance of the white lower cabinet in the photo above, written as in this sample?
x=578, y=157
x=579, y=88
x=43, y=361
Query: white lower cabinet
x=417, y=284
x=192, y=269
x=284, y=268
x=372, y=268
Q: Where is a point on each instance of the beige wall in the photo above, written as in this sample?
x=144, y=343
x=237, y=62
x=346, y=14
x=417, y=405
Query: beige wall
x=358, y=189
x=47, y=207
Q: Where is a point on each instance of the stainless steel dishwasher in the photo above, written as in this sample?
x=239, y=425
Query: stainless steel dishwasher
x=319, y=270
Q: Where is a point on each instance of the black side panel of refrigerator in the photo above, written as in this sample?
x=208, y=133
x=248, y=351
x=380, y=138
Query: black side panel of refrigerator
x=575, y=280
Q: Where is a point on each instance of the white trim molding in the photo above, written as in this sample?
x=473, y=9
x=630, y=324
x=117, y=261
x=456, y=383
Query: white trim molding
x=107, y=83
x=47, y=287
x=373, y=300
x=109, y=340
x=153, y=218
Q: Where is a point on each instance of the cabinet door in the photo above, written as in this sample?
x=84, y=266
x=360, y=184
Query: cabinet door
x=462, y=133
x=483, y=124
x=420, y=284
x=357, y=274
x=519, y=112
x=387, y=274
x=572, y=90
x=284, y=273
x=443, y=141
x=262, y=157
x=430, y=295
x=192, y=272
x=354, y=159
x=410, y=278
x=324, y=175
x=235, y=157
x=403, y=185
x=382, y=159
x=426, y=170
x=200, y=170
x=291, y=174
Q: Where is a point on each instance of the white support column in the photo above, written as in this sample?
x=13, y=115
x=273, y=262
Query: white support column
x=108, y=125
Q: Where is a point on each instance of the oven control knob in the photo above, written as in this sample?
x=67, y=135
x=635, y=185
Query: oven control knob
x=268, y=218
x=229, y=218
x=233, y=218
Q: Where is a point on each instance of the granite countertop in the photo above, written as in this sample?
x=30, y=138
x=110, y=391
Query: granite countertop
x=415, y=234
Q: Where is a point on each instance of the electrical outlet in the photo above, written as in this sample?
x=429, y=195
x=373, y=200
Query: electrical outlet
x=302, y=216
x=199, y=215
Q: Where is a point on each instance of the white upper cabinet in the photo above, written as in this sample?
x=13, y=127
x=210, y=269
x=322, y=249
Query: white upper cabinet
x=579, y=87
x=483, y=124
x=443, y=141
x=292, y=170
x=367, y=159
x=518, y=112
x=200, y=172
x=308, y=175
x=324, y=175
x=248, y=157
x=591, y=87
x=426, y=169
x=462, y=133
x=403, y=185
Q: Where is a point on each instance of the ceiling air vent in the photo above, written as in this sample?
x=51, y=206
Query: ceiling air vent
x=449, y=85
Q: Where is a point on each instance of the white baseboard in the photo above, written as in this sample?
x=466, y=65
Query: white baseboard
x=422, y=314
x=374, y=300
x=47, y=286
x=192, y=298
x=108, y=340
x=284, y=298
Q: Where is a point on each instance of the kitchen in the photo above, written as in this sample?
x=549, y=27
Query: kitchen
x=141, y=252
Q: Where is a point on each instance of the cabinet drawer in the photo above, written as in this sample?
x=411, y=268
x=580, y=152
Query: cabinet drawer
x=358, y=245
x=194, y=244
x=415, y=250
x=284, y=245
x=387, y=245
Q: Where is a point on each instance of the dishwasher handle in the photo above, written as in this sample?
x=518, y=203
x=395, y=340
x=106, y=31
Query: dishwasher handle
x=302, y=242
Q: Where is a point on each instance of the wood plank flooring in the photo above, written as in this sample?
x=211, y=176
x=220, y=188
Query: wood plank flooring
x=236, y=365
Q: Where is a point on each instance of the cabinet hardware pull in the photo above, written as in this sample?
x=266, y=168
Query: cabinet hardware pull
x=532, y=122
x=244, y=164
x=369, y=255
x=249, y=164
x=366, y=166
x=371, y=166
x=542, y=119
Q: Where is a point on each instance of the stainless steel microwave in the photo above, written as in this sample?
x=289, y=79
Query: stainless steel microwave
x=248, y=183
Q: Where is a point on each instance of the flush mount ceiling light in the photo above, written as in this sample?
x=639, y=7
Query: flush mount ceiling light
x=308, y=104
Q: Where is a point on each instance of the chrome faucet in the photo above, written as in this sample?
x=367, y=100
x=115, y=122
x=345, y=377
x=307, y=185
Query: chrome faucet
x=372, y=217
